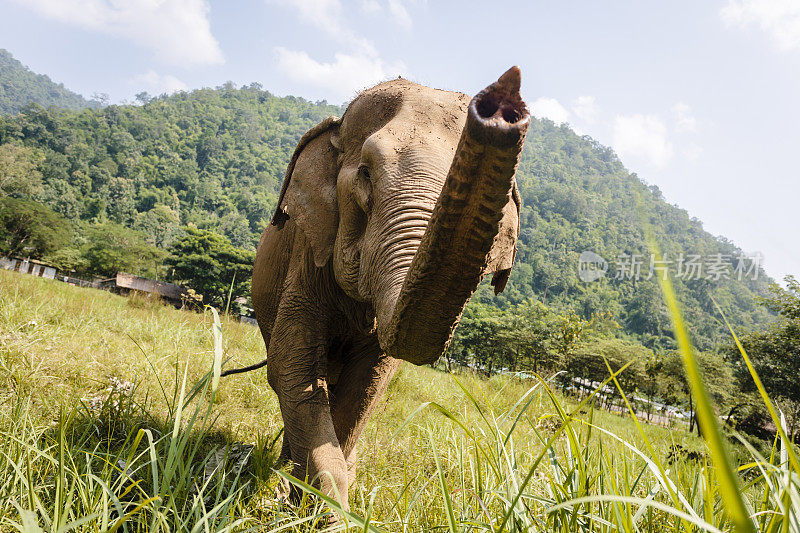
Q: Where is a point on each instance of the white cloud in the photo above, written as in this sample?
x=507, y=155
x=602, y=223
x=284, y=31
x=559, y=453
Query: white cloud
x=585, y=108
x=177, y=31
x=342, y=77
x=397, y=10
x=684, y=120
x=549, y=108
x=357, y=66
x=370, y=6
x=156, y=83
x=692, y=152
x=400, y=13
x=327, y=16
x=324, y=14
x=643, y=137
x=778, y=18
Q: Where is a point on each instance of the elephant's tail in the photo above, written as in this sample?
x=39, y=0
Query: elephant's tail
x=243, y=369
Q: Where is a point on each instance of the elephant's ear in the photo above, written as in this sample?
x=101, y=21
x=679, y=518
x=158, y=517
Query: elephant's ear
x=308, y=194
x=504, y=247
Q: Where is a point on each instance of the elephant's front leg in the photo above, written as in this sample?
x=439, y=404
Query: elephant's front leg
x=297, y=357
x=366, y=373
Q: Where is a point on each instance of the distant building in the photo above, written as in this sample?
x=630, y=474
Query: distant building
x=126, y=283
x=246, y=314
x=28, y=266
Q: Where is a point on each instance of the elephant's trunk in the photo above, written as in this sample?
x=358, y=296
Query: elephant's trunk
x=452, y=257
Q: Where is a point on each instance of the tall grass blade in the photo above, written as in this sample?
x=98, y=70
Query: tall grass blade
x=332, y=502
x=724, y=470
x=697, y=522
x=448, y=502
x=217, y=370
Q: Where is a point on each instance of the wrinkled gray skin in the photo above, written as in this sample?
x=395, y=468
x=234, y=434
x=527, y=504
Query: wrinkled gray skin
x=387, y=221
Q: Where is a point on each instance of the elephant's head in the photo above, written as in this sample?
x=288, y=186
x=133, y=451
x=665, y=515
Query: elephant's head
x=411, y=195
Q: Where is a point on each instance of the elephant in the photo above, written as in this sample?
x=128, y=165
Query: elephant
x=387, y=220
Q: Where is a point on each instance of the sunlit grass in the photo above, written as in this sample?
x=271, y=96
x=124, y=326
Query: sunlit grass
x=444, y=452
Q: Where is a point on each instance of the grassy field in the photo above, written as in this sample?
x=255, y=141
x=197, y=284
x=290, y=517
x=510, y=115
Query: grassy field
x=111, y=420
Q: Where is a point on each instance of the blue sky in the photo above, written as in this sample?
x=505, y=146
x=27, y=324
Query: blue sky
x=699, y=98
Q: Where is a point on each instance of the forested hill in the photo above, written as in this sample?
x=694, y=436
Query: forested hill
x=215, y=158
x=20, y=87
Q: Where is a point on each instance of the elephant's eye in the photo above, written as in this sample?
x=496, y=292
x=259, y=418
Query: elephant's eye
x=364, y=171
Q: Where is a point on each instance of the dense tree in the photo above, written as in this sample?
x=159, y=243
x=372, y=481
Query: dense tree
x=717, y=378
x=20, y=87
x=210, y=264
x=526, y=337
x=161, y=224
x=69, y=260
x=650, y=382
x=592, y=361
x=19, y=175
x=474, y=342
x=111, y=248
x=215, y=158
x=775, y=354
x=784, y=302
x=31, y=229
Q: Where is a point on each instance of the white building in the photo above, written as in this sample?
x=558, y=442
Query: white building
x=28, y=266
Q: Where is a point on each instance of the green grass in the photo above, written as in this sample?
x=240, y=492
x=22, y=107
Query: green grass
x=80, y=451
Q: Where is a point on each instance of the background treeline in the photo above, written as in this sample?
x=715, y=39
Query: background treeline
x=212, y=158
x=532, y=338
x=20, y=87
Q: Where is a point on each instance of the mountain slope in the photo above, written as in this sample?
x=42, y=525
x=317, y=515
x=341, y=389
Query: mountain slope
x=20, y=87
x=216, y=158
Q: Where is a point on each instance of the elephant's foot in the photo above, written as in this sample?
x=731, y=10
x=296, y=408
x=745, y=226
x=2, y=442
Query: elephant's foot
x=332, y=483
x=290, y=495
x=285, y=492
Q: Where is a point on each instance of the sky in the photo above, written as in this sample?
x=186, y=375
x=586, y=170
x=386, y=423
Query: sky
x=698, y=98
